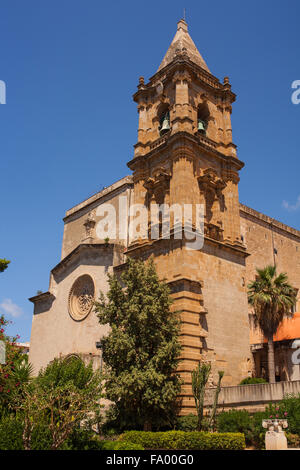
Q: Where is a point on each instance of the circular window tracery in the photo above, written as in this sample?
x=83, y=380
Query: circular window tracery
x=81, y=297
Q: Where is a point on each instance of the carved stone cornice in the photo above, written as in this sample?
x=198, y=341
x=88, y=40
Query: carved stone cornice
x=43, y=297
x=181, y=75
x=182, y=152
x=92, y=249
x=190, y=140
x=231, y=176
x=210, y=182
x=160, y=178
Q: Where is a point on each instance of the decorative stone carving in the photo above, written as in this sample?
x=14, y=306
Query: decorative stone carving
x=210, y=182
x=212, y=187
x=275, y=436
x=89, y=225
x=81, y=297
x=158, y=184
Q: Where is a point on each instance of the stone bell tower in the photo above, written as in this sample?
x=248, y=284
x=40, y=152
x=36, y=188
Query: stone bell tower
x=185, y=155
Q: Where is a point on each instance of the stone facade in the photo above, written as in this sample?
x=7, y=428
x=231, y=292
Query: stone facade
x=184, y=155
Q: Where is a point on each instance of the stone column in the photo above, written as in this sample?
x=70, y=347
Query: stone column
x=182, y=117
x=232, y=229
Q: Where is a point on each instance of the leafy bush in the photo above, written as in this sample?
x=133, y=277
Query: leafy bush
x=83, y=439
x=293, y=440
x=185, y=440
x=233, y=421
x=11, y=429
x=11, y=434
x=120, y=445
x=187, y=423
x=242, y=421
x=288, y=408
x=253, y=381
x=60, y=372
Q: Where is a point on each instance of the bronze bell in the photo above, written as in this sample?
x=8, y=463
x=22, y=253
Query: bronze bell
x=201, y=126
x=165, y=126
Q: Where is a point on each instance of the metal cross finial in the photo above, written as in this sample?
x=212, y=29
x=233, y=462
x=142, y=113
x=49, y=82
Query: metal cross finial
x=184, y=14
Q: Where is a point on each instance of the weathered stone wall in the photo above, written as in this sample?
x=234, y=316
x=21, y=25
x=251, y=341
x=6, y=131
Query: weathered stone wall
x=75, y=230
x=252, y=397
x=262, y=235
x=54, y=332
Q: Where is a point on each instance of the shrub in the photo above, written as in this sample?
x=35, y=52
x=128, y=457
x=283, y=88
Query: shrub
x=242, y=421
x=60, y=372
x=11, y=434
x=120, y=445
x=288, y=408
x=187, y=423
x=253, y=381
x=233, y=421
x=11, y=429
x=83, y=439
x=293, y=440
x=185, y=440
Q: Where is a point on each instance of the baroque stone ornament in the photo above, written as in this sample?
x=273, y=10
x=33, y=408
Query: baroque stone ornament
x=275, y=437
x=81, y=297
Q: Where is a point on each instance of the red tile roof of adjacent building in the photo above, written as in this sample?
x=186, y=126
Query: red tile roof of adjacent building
x=289, y=329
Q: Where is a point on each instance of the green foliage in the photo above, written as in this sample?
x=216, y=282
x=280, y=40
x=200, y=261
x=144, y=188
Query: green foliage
x=3, y=264
x=11, y=429
x=242, y=421
x=200, y=377
x=180, y=440
x=293, y=440
x=288, y=408
x=120, y=445
x=64, y=395
x=253, y=381
x=272, y=297
x=117, y=420
x=187, y=423
x=212, y=419
x=10, y=433
x=82, y=439
x=251, y=424
x=61, y=372
x=234, y=421
x=141, y=352
x=15, y=373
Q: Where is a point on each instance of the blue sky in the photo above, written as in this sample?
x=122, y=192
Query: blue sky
x=69, y=124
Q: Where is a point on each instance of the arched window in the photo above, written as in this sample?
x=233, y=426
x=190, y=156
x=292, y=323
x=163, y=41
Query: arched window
x=202, y=118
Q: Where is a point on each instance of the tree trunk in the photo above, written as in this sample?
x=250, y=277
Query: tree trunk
x=147, y=426
x=271, y=360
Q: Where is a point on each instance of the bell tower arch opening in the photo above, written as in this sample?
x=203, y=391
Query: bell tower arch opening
x=202, y=118
x=164, y=119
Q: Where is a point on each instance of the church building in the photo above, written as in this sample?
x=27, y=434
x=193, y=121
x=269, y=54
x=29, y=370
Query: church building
x=184, y=155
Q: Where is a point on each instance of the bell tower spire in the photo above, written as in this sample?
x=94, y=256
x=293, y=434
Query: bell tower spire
x=185, y=156
x=183, y=42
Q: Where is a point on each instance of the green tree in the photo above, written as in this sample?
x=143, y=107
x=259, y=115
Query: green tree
x=141, y=351
x=64, y=396
x=200, y=378
x=272, y=299
x=3, y=264
x=15, y=372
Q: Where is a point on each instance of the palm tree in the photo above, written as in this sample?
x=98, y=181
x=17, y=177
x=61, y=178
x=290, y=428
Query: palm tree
x=272, y=299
